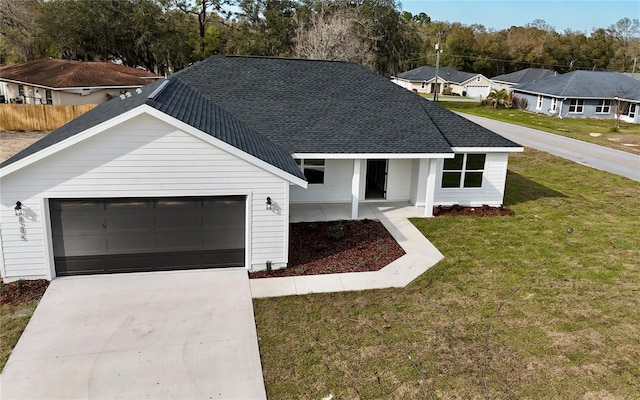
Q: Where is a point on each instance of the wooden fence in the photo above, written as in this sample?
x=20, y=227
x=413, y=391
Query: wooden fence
x=30, y=117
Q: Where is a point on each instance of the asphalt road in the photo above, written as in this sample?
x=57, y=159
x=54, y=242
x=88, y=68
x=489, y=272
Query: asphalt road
x=599, y=157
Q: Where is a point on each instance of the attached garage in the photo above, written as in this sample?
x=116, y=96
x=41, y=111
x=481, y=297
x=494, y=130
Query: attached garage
x=478, y=91
x=96, y=236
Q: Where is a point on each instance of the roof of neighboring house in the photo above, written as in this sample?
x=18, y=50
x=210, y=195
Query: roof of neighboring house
x=57, y=73
x=272, y=108
x=585, y=84
x=524, y=75
x=427, y=72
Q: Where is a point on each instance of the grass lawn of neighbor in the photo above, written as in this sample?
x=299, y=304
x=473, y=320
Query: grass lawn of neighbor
x=591, y=130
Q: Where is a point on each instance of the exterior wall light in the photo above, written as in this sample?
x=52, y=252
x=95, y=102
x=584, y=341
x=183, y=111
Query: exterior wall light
x=18, y=209
x=269, y=203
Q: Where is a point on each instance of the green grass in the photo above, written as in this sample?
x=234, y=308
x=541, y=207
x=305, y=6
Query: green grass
x=13, y=320
x=518, y=309
x=576, y=128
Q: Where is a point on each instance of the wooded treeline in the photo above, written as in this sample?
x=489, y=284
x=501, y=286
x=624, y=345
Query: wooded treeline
x=167, y=35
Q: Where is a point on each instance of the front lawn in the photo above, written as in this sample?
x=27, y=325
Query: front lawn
x=519, y=308
x=585, y=129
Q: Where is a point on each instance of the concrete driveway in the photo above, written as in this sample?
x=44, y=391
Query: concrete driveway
x=179, y=335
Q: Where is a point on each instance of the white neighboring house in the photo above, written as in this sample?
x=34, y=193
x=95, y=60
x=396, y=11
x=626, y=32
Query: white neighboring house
x=423, y=80
x=199, y=171
x=66, y=82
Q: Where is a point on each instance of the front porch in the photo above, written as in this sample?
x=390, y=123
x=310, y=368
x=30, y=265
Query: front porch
x=311, y=212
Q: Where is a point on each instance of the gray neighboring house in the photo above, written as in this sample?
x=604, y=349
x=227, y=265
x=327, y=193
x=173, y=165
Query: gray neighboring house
x=423, y=80
x=507, y=81
x=200, y=170
x=583, y=94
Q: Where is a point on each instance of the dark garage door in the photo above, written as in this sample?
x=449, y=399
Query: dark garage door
x=96, y=236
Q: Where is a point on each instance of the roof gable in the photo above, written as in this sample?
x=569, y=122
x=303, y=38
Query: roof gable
x=585, y=84
x=57, y=73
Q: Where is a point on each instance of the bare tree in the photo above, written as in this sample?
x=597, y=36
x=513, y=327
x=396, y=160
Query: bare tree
x=329, y=35
x=620, y=105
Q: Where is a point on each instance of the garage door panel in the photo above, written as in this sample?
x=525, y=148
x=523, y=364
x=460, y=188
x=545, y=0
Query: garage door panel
x=123, y=223
x=79, y=245
x=130, y=243
x=132, y=235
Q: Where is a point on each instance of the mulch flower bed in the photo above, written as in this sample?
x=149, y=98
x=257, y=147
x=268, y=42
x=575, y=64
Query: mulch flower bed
x=484, y=211
x=337, y=247
x=22, y=291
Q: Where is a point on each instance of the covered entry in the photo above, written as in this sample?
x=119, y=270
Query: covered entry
x=94, y=236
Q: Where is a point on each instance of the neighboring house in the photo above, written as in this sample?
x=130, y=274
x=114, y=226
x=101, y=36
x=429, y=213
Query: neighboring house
x=507, y=81
x=423, y=80
x=583, y=94
x=634, y=75
x=66, y=82
x=199, y=170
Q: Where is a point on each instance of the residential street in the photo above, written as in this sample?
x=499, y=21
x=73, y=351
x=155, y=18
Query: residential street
x=599, y=157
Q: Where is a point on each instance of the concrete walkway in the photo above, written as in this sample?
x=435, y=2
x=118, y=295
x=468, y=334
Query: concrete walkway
x=166, y=335
x=420, y=253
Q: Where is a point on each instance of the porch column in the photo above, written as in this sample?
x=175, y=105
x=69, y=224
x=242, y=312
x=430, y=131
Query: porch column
x=431, y=188
x=355, y=189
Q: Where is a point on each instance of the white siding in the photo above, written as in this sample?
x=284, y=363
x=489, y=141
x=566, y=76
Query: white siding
x=492, y=190
x=420, y=172
x=335, y=189
x=143, y=157
x=399, y=179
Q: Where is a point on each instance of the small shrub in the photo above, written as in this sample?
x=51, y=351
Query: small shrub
x=447, y=92
x=301, y=271
x=320, y=247
x=363, y=263
x=333, y=268
x=269, y=265
x=614, y=129
x=20, y=284
x=337, y=231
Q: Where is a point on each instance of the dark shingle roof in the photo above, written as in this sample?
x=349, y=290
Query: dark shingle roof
x=585, y=84
x=273, y=107
x=57, y=73
x=426, y=73
x=524, y=75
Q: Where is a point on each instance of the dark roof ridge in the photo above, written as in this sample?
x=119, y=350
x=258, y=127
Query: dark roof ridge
x=286, y=58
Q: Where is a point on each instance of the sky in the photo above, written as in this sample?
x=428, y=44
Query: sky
x=575, y=15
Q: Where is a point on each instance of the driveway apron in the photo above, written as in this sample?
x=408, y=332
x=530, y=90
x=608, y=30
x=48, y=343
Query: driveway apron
x=179, y=335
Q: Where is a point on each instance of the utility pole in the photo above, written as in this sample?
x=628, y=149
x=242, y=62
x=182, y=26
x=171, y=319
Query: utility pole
x=435, y=86
x=633, y=73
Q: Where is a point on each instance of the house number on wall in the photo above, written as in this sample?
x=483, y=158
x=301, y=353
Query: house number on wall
x=23, y=228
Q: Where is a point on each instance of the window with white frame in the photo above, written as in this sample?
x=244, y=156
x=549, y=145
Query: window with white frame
x=603, y=106
x=48, y=96
x=632, y=110
x=539, y=103
x=554, y=104
x=463, y=171
x=423, y=83
x=21, y=91
x=313, y=170
x=576, y=106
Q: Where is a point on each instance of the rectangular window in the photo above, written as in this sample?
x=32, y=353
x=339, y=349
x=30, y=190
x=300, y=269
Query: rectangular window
x=21, y=92
x=539, y=103
x=464, y=170
x=603, y=106
x=576, y=106
x=313, y=170
x=49, y=96
x=554, y=104
x=632, y=110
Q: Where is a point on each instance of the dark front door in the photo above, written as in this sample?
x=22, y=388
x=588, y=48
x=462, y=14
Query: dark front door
x=376, y=186
x=95, y=236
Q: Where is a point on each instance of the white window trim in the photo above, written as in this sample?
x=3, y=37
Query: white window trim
x=579, y=104
x=539, y=102
x=318, y=167
x=463, y=172
x=554, y=104
x=604, y=104
x=633, y=109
